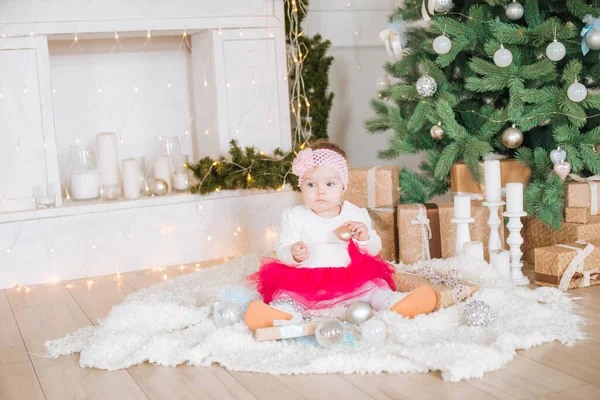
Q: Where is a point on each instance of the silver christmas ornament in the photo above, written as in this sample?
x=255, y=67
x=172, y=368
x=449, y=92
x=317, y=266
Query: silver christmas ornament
x=556, y=51
x=512, y=137
x=426, y=86
x=478, y=313
x=562, y=169
x=558, y=155
x=442, y=44
x=358, y=312
x=442, y=5
x=437, y=132
x=577, y=92
x=373, y=331
x=159, y=187
x=503, y=57
x=227, y=313
x=514, y=11
x=592, y=39
x=330, y=333
x=383, y=83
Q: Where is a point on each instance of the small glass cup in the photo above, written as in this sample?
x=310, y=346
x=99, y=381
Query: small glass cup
x=45, y=196
x=181, y=173
x=110, y=192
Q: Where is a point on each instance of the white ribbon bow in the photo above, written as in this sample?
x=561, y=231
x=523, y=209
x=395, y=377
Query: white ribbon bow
x=422, y=220
x=591, y=180
x=393, y=43
x=430, y=7
x=577, y=264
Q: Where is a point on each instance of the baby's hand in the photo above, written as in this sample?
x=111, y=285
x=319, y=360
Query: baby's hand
x=361, y=232
x=300, y=251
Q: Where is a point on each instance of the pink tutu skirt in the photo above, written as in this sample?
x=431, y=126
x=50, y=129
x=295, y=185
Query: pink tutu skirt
x=317, y=288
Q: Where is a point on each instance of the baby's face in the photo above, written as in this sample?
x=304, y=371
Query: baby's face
x=322, y=188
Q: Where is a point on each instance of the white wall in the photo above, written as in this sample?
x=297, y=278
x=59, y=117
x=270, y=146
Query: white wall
x=353, y=27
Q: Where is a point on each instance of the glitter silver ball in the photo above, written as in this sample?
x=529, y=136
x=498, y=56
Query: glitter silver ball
x=426, y=86
x=512, y=137
x=478, y=313
x=514, y=11
x=436, y=132
x=159, y=187
x=358, y=312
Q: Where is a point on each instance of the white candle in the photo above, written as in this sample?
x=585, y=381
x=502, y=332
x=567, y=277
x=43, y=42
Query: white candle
x=85, y=185
x=493, y=191
x=162, y=169
x=473, y=249
x=108, y=158
x=132, y=178
x=180, y=180
x=46, y=201
x=462, y=206
x=500, y=260
x=514, y=197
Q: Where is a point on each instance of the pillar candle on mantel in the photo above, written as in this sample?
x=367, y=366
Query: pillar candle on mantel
x=162, y=169
x=473, y=249
x=493, y=185
x=514, y=197
x=132, y=182
x=462, y=206
x=108, y=158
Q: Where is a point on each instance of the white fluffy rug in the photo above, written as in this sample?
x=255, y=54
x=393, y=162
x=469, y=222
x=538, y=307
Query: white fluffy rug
x=170, y=324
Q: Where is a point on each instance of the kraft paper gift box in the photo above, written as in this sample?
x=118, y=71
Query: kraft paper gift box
x=577, y=215
x=373, y=187
x=510, y=171
x=413, y=236
x=552, y=262
x=385, y=224
x=536, y=234
x=584, y=193
x=405, y=282
x=287, y=331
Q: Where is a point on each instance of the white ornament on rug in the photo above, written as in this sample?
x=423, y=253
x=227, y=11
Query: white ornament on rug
x=330, y=333
x=374, y=331
x=358, y=312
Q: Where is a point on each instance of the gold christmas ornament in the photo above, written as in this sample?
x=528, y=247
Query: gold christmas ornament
x=512, y=137
x=436, y=131
x=159, y=187
x=343, y=233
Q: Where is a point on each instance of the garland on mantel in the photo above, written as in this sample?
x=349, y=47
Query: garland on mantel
x=246, y=169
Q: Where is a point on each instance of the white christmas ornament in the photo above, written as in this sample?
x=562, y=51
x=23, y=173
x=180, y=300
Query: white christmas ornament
x=426, y=86
x=503, y=57
x=514, y=11
x=442, y=44
x=374, y=331
x=558, y=155
x=562, y=169
x=383, y=83
x=577, y=92
x=442, y=5
x=556, y=51
x=592, y=39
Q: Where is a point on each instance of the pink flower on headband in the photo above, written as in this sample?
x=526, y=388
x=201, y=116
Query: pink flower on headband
x=303, y=162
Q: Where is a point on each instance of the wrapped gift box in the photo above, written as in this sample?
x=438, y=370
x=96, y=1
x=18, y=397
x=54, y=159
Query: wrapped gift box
x=385, y=224
x=510, y=170
x=552, y=262
x=405, y=282
x=536, y=234
x=580, y=194
x=577, y=215
x=413, y=238
x=373, y=187
x=287, y=331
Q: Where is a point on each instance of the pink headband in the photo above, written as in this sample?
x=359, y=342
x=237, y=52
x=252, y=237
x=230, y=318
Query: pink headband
x=308, y=158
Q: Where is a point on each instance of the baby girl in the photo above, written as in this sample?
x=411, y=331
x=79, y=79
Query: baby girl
x=317, y=269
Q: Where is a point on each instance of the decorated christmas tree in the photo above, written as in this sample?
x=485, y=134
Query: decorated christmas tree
x=493, y=77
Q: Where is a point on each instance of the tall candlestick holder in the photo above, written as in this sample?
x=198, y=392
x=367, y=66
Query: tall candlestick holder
x=462, y=232
x=494, y=222
x=515, y=240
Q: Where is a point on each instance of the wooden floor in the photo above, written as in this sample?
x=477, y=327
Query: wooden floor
x=30, y=316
